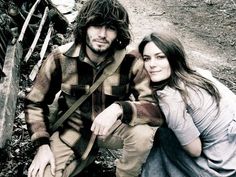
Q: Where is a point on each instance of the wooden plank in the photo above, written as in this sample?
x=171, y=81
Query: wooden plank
x=8, y=91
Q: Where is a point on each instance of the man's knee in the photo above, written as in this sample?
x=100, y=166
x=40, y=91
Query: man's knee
x=142, y=136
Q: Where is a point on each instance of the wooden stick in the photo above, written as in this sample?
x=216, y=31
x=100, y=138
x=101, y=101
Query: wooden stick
x=42, y=53
x=31, y=49
x=3, y=39
x=226, y=80
x=233, y=2
x=89, y=147
x=27, y=20
x=46, y=42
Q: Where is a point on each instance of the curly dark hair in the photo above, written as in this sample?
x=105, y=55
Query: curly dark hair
x=103, y=12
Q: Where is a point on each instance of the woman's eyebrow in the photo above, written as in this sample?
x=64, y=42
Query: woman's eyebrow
x=159, y=53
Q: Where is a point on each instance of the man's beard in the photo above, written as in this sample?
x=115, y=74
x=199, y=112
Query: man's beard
x=98, y=51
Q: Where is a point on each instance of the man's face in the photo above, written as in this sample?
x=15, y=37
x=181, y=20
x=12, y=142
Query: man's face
x=100, y=38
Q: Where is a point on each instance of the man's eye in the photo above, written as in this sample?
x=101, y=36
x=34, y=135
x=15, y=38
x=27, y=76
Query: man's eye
x=112, y=27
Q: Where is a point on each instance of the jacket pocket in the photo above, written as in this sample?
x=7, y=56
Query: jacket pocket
x=120, y=90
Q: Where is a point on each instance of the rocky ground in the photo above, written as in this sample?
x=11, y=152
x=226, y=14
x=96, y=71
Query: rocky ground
x=207, y=28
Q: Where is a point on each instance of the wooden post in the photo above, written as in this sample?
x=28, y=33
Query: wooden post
x=8, y=91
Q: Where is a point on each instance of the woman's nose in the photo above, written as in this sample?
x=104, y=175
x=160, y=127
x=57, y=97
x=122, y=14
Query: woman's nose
x=152, y=62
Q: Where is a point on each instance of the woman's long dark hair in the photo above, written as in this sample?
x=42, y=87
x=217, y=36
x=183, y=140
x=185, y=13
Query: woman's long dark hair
x=103, y=12
x=180, y=71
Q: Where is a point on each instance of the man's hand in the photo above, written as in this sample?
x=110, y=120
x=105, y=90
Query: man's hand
x=104, y=121
x=41, y=160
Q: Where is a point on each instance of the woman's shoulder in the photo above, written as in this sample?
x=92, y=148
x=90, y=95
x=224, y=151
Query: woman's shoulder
x=169, y=93
x=204, y=72
x=223, y=89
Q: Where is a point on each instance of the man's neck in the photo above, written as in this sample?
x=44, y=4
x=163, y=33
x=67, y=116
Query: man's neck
x=95, y=58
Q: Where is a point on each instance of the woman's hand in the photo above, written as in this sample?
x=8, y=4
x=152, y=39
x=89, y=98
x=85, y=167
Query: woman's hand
x=43, y=157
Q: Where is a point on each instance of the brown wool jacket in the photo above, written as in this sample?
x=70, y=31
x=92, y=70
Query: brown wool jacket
x=67, y=70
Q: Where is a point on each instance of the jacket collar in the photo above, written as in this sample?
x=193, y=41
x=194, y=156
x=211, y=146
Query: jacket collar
x=73, y=50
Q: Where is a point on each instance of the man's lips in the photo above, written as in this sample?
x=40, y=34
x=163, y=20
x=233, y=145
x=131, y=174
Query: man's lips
x=101, y=42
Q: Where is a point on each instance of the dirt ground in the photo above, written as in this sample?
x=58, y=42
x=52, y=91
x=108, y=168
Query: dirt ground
x=207, y=29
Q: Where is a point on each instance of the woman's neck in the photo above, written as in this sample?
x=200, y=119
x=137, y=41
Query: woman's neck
x=160, y=85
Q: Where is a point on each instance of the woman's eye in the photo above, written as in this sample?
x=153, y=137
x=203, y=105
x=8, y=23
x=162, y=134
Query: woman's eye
x=159, y=57
x=146, y=58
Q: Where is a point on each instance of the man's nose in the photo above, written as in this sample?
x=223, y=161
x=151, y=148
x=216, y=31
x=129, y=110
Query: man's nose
x=102, y=31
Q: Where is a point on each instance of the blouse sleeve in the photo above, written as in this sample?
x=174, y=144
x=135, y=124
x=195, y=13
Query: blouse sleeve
x=178, y=119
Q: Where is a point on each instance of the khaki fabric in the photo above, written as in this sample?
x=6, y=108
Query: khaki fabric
x=136, y=143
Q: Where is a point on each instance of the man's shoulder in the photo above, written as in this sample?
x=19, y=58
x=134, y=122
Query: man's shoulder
x=131, y=51
x=69, y=49
x=132, y=58
x=64, y=48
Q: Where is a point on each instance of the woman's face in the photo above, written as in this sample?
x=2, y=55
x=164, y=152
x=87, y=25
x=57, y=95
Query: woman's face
x=156, y=63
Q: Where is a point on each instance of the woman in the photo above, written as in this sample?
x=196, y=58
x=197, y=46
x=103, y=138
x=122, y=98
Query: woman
x=200, y=134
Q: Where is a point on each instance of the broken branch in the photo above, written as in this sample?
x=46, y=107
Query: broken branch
x=233, y=3
x=42, y=53
x=27, y=20
x=31, y=49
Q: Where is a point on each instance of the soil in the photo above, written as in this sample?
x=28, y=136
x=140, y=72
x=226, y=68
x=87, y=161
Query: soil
x=207, y=29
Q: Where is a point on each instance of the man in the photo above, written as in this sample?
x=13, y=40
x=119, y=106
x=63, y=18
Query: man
x=101, y=36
